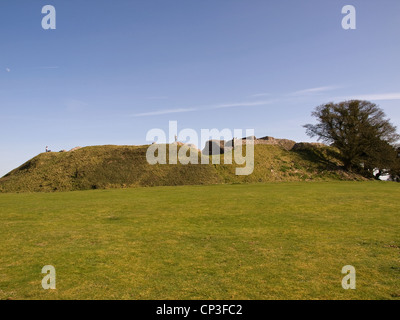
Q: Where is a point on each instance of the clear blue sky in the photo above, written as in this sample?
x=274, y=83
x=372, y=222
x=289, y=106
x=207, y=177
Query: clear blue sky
x=112, y=70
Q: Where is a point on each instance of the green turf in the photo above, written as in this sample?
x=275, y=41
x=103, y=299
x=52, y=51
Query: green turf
x=253, y=241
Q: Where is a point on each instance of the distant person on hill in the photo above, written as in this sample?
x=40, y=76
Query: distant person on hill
x=47, y=149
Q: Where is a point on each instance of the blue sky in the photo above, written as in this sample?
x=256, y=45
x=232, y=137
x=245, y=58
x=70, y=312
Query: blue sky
x=113, y=70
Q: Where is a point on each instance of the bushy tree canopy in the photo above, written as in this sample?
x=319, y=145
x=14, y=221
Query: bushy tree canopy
x=361, y=132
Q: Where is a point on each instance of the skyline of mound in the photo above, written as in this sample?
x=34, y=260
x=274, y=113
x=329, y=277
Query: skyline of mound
x=103, y=167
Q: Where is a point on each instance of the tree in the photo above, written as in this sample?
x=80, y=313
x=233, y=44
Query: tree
x=395, y=169
x=359, y=130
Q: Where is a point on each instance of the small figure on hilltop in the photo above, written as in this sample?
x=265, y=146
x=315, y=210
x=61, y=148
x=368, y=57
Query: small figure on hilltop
x=47, y=149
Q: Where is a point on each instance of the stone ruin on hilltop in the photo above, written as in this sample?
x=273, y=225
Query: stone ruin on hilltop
x=214, y=147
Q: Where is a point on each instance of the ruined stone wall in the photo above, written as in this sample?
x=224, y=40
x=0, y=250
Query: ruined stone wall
x=214, y=147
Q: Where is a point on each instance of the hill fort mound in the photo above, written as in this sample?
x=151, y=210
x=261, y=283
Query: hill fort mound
x=109, y=166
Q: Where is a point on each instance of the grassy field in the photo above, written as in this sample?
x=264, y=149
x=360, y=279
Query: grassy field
x=248, y=241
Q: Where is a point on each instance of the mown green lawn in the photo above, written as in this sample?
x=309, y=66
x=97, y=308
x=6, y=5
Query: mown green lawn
x=252, y=241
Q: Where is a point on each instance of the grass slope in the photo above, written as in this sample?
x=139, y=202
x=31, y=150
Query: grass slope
x=255, y=241
x=102, y=167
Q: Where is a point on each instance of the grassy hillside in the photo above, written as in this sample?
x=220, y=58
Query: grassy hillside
x=102, y=167
x=256, y=241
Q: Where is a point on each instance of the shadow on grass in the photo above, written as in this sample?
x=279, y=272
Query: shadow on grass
x=324, y=158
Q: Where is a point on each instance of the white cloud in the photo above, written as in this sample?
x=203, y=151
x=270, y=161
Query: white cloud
x=210, y=107
x=160, y=112
x=260, y=95
x=241, y=104
x=314, y=90
x=379, y=96
x=8, y=69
